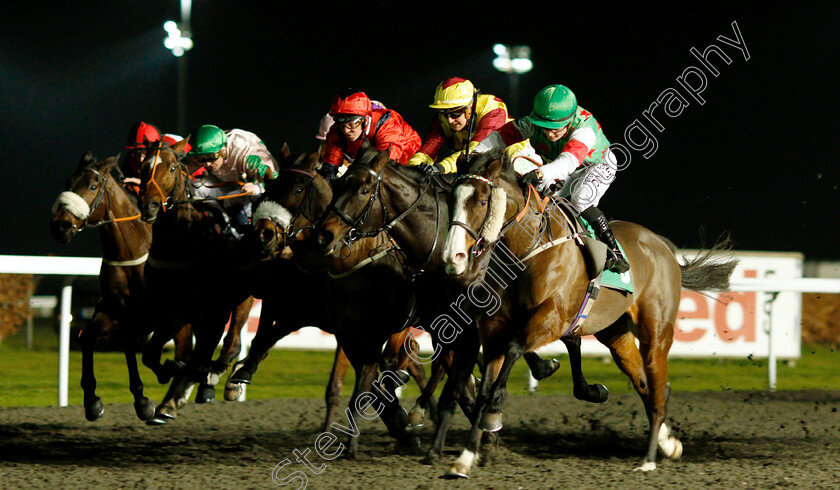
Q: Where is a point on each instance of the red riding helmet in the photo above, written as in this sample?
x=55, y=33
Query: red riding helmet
x=140, y=131
x=351, y=102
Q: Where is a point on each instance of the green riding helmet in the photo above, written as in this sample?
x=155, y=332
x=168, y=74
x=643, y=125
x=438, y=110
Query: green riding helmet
x=554, y=107
x=209, y=139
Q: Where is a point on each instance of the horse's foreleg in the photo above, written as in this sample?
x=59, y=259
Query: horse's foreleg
x=365, y=376
x=232, y=344
x=541, y=368
x=595, y=393
x=93, y=404
x=153, y=351
x=208, y=336
x=268, y=333
x=488, y=412
x=426, y=400
x=454, y=391
x=332, y=397
x=143, y=407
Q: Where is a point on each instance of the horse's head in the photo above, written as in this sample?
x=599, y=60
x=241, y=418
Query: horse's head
x=81, y=204
x=477, y=211
x=291, y=203
x=353, y=212
x=162, y=174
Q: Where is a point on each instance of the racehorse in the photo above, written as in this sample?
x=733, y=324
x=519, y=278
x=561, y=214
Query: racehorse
x=192, y=275
x=374, y=196
x=94, y=199
x=552, y=290
x=332, y=295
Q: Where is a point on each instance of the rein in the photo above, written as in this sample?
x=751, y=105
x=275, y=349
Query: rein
x=356, y=223
x=479, y=246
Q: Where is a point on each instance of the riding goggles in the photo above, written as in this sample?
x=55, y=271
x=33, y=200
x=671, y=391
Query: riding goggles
x=453, y=114
x=349, y=120
x=208, y=157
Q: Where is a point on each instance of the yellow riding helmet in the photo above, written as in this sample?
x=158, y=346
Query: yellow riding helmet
x=453, y=93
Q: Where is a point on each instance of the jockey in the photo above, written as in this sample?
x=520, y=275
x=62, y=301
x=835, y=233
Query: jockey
x=140, y=134
x=569, y=139
x=463, y=116
x=220, y=160
x=356, y=120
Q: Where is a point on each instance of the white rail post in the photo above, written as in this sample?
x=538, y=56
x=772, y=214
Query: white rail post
x=771, y=351
x=64, y=345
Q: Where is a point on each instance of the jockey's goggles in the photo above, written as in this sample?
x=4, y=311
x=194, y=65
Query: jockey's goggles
x=350, y=120
x=208, y=157
x=453, y=114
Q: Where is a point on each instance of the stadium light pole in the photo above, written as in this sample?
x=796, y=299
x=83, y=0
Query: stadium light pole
x=179, y=41
x=513, y=60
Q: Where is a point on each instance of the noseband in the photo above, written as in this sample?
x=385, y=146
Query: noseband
x=480, y=244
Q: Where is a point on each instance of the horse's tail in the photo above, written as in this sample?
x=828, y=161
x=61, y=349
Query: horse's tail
x=706, y=272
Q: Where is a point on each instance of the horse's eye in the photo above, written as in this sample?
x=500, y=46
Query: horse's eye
x=93, y=187
x=298, y=190
x=172, y=168
x=482, y=202
x=364, y=191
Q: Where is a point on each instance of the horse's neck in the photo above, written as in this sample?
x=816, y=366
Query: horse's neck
x=123, y=240
x=419, y=233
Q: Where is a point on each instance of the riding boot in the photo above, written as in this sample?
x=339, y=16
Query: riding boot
x=616, y=261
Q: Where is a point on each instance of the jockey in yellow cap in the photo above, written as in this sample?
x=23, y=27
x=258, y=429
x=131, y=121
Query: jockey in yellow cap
x=463, y=117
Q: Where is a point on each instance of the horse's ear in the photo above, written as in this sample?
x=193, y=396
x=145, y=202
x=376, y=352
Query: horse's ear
x=86, y=159
x=310, y=162
x=111, y=161
x=180, y=145
x=379, y=161
x=494, y=170
x=284, y=151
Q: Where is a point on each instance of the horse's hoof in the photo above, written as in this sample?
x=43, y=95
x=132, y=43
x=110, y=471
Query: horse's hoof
x=404, y=376
x=594, y=393
x=205, y=394
x=416, y=419
x=461, y=467
x=545, y=373
x=144, y=408
x=491, y=422
x=156, y=421
x=431, y=458
x=669, y=446
x=165, y=413
x=647, y=466
x=241, y=376
x=233, y=392
x=95, y=410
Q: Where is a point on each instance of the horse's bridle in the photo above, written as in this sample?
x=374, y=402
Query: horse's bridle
x=168, y=200
x=480, y=244
x=375, y=194
x=290, y=231
x=101, y=192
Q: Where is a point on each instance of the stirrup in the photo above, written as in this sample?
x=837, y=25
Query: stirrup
x=616, y=261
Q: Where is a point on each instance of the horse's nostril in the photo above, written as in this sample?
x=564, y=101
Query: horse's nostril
x=325, y=238
x=459, y=258
x=64, y=225
x=266, y=235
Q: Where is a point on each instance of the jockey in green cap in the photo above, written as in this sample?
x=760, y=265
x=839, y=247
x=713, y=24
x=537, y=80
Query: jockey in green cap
x=228, y=158
x=575, y=152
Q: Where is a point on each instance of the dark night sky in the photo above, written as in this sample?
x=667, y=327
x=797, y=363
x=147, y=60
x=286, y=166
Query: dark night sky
x=758, y=159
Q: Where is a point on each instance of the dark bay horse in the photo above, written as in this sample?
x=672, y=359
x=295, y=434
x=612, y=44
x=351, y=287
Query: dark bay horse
x=552, y=287
x=331, y=293
x=374, y=196
x=93, y=199
x=193, y=275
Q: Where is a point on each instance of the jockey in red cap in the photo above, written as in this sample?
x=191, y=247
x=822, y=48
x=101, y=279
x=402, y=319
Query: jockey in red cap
x=356, y=120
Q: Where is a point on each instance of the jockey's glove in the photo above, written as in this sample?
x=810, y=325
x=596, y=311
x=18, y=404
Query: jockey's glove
x=328, y=171
x=534, y=177
x=430, y=169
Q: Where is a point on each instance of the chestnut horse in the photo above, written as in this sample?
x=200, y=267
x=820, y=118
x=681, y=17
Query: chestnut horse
x=192, y=275
x=549, y=293
x=331, y=294
x=375, y=196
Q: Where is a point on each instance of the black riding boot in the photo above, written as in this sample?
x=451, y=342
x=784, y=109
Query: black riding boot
x=616, y=260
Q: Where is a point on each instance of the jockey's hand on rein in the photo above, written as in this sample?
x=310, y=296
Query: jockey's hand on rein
x=534, y=177
x=328, y=171
x=430, y=169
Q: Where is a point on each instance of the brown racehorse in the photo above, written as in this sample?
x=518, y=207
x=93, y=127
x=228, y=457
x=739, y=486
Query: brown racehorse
x=376, y=195
x=94, y=199
x=549, y=292
x=330, y=294
x=193, y=275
